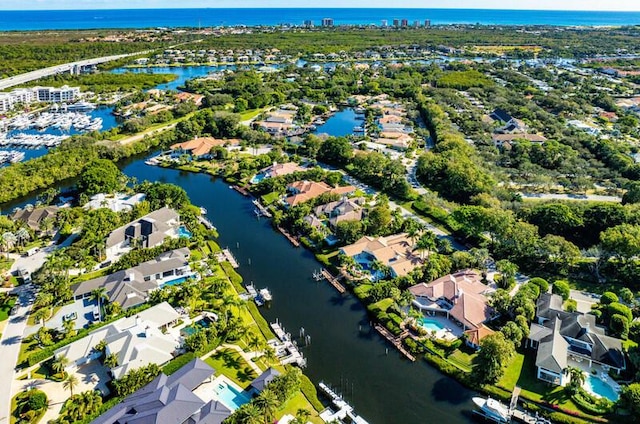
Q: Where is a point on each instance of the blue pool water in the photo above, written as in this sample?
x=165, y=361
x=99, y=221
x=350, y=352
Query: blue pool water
x=175, y=282
x=184, y=233
x=431, y=325
x=230, y=396
x=596, y=386
x=196, y=326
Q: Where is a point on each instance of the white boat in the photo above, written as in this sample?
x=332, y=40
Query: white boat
x=492, y=410
x=265, y=294
x=358, y=129
x=81, y=107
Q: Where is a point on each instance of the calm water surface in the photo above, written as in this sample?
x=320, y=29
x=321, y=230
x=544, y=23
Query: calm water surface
x=344, y=351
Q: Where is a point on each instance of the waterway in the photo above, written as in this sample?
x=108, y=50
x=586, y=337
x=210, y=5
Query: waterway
x=340, y=124
x=344, y=350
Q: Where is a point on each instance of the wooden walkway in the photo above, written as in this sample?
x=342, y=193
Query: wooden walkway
x=240, y=190
x=289, y=237
x=396, y=341
x=261, y=210
x=334, y=281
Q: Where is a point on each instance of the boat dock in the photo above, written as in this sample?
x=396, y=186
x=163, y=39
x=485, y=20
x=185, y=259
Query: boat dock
x=286, y=349
x=344, y=410
x=240, y=190
x=396, y=341
x=324, y=274
x=226, y=255
x=261, y=210
x=207, y=224
x=289, y=237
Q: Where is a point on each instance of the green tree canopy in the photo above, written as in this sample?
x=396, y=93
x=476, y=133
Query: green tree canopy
x=100, y=176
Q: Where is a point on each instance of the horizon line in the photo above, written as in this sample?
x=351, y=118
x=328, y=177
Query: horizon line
x=323, y=8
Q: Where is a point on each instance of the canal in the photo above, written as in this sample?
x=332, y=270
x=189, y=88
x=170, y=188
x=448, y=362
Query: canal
x=344, y=352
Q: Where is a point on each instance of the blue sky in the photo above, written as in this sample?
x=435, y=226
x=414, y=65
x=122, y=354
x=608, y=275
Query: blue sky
x=624, y=5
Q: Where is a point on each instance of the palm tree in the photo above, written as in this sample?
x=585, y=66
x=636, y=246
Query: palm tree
x=111, y=361
x=302, y=416
x=71, y=382
x=99, y=295
x=577, y=377
x=8, y=240
x=22, y=235
x=40, y=315
x=60, y=363
x=426, y=243
x=250, y=414
x=255, y=343
x=267, y=402
x=270, y=355
x=69, y=326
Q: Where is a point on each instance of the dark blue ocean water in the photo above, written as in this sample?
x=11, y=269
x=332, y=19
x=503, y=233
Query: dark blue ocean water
x=150, y=18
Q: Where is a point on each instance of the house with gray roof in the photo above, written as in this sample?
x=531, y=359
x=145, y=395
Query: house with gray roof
x=34, y=217
x=560, y=336
x=149, y=231
x=263, y=380
x=170, y=399
x=342, y=210
x=131, y=287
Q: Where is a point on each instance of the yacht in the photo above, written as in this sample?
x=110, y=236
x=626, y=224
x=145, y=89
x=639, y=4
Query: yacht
x=81, y=107
x=492, y=410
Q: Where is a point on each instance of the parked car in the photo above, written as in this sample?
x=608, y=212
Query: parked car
x=70, y=317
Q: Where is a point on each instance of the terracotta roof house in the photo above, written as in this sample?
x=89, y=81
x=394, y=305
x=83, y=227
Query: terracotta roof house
x=461, y=296
x=185, y=97
x=34, y=217
x=148, y=231
x=394, y=251
x=475, y=335
x=390, y=119
x=560, y=336
x=276, y=170
x=137, y=340
x=301, y=191
x=200, y=147
x=396, y=141
x=131, y=287
x=170, y=399
x=341, y=210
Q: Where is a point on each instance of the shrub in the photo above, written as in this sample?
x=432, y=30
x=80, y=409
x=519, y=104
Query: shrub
x=178, y=362
x=562, y=288
x=608, y=298
x=540, y=282
x=309, y=391
x=234, y=277
x=37, y=400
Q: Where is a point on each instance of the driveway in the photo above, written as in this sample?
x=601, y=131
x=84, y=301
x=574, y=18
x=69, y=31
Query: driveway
x=10, y=348
x=584, y=300
x=83, y=310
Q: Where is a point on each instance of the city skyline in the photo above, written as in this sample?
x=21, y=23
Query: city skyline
x=585, y=5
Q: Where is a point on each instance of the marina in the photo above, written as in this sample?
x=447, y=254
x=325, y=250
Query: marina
x=286, y=349
x=64, y=121
x=32, y=141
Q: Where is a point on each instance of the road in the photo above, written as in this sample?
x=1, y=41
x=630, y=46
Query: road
x=10, y=348
x=59, y=69
x=16, y=327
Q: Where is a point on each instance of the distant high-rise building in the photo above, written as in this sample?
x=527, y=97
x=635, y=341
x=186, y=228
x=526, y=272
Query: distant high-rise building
x=384, y=23
x=404, y=23
x=308, y=23
x=327, y=22
x=396, y=23
x=427, y=23
x=416, y=24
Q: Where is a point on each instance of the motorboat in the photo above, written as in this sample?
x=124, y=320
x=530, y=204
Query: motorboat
x=492, y=410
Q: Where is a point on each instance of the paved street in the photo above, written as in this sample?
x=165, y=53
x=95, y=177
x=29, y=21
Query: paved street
x=9, y=350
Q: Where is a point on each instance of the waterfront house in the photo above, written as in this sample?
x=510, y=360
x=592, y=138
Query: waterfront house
x=149, y=231
x=131, y=287
x=117, y=202
x=200, y=147
x=395, y=252
x=301, y=191
x=34, y=217
x=276, y=170
x=170, y=399
x=137, y=341
x=461, y=297
x=344, y=209
x=559, y=336
x=263, y=380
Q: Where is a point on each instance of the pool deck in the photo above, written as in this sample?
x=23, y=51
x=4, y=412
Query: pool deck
x=602, y=374
x=450, y=330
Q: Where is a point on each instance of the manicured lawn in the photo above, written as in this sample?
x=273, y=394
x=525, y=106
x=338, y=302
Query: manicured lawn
x=269, y=198
x=299, y=402
x=250, y=114
x=522, y=372
x=463, y=360
x=230, y=364
x=5, y=263
x=4, y=309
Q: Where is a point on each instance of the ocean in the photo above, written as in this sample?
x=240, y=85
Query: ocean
x=152, y=18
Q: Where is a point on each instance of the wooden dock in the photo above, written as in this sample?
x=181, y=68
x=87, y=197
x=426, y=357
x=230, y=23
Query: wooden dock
x=261, y=210
x=396, y=341
x=289, y=237
x=334, y=281
x=240, y=190
x=207, y=224
x=226, y=255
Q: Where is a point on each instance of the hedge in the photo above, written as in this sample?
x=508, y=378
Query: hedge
x=591, y=405
x=309, y=391
x=178, y=362
x=234, y=277
x=213, y=246
x=262, y=324
x=362, y=291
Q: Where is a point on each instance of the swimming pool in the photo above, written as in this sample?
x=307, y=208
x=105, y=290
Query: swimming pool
x=596, y=386
x=431, y=324
x=196, y=326
x=229, y=395
x=175, y=282
x=183, y=232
